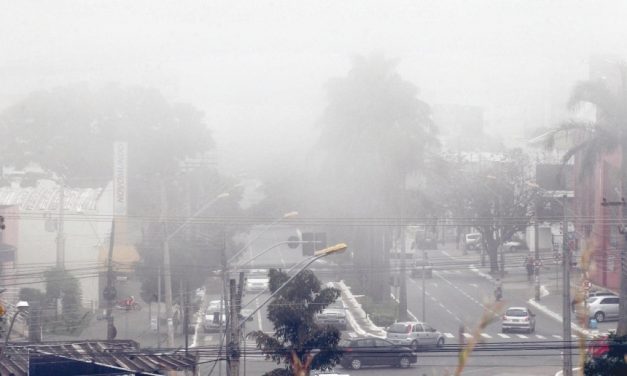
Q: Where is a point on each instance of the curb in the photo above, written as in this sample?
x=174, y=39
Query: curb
x=372, y=329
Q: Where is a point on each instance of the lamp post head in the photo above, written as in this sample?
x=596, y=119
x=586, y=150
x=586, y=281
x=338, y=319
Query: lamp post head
x=338, y=248
x=22, y=306
x=290, y=214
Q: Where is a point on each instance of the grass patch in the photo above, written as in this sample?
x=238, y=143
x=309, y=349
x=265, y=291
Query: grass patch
x=381, y=314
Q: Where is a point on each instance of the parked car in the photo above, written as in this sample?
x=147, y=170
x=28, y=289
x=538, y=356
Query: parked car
x=473, y=241
x=334, y=315
x=359, y=352
x=602, y=307
x=515, y=245
x=257, y=280
x=518, y=318
x=414, y=334
x=592, y=294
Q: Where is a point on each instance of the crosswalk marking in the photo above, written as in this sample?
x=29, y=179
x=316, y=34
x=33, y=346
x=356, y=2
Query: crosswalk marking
x=574, y=336
x=556, y=336
x=502, y=335
x=467, y=335
x=522, y=336
x=449, y=335
x=540, y=336
x=484, y=335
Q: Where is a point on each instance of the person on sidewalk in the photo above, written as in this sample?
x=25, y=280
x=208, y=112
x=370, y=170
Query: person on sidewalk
x=529, y=267
x=498, y=290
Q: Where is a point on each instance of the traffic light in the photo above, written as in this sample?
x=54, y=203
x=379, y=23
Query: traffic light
x=313, y=241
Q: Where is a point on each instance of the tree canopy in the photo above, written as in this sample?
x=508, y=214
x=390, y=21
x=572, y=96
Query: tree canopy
x=70, y=131
x=298, y=342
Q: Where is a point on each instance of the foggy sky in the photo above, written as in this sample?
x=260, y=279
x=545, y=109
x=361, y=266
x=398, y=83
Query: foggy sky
x=258, y=68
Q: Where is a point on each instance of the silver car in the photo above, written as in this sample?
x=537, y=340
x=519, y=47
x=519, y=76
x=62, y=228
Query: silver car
x=518, y=318
x=602, y=307
x=414, y=334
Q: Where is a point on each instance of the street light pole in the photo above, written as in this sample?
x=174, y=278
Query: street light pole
x=236, y=325
x=536, y=246
x=167, y=271
x=20, y=307
x=566, y=307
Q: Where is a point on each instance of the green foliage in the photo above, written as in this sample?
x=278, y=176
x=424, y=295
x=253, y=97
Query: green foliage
x=298, y=341
x=61, y=284
x=381, y=313
x=31, y=295
x=70, y=130
x=497, y=196
x=614, y=362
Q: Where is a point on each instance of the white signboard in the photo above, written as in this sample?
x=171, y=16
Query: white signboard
x=120, y=177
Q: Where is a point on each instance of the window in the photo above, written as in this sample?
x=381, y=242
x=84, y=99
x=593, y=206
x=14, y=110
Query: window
x=399, y=328
x=427, y=328
x=610, y=301
x=381, y=343
x=418, y=328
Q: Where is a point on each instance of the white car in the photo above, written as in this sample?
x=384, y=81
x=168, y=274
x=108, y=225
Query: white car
x=518, y=318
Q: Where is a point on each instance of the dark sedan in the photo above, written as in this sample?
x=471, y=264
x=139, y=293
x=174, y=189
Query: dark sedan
x=359, y=352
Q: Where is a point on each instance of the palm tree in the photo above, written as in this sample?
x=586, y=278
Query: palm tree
x=375, y=131
x=606, y=134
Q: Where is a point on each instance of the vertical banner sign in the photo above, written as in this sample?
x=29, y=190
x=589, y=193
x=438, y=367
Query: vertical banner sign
x=120, y=177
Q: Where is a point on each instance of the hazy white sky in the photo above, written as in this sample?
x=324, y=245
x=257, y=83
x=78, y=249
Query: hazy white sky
x=257, y=68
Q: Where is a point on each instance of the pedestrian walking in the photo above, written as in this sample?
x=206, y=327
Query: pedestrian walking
x=529, y=266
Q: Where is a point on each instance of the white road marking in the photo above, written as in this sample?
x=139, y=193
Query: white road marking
x=522, y=336
x=556, y=336
x=485, y=335
x=540, y=336
x=352, y=334
x=503, y=335
x=446, y=253
x=474, y=285
x=449, y=335
x=574, y=336
x=258, y=315
x=208, y=339
x=467, y=335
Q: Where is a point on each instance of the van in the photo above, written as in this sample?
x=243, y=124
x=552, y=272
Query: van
x=473, y=241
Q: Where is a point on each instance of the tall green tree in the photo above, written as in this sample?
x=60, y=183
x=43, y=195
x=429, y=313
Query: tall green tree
x=70, y=131
x=298, y=342
x=605, y=134
x=375, y=132
x=496, y=199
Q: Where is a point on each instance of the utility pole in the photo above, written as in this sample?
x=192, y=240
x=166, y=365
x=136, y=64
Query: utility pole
x=167, y=272
x=159, y=307
x=402, y=299
x=536, y=247
x=60, y=234
x=186, y=316
x=424, y=286
x=109, y=292
x=566, y=307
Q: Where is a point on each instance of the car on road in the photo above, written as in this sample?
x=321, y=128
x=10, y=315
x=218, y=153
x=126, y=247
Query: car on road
x=215, y=317
x=473, y=241
x=518, y=318
x=602, y=308
x=515, y=245
x=334, y=315
x=369, y=351
x=257, y=280
x=414, y=334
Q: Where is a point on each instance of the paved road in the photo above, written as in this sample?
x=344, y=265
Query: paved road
x=456, y=295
